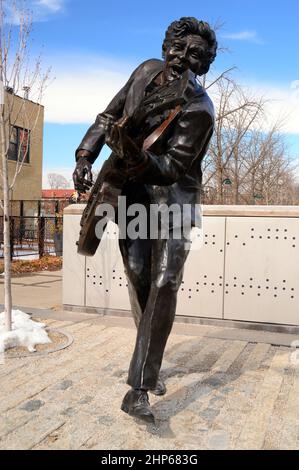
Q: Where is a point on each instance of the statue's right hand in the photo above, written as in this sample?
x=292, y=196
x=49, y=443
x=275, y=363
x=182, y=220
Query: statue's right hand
x=82, y=175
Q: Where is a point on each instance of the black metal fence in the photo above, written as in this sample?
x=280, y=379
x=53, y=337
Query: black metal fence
x=33, y=237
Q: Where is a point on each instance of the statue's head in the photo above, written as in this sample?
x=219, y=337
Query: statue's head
x=189, y=43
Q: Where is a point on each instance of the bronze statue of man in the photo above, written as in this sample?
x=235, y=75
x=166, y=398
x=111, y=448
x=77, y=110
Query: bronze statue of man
x=171, y=173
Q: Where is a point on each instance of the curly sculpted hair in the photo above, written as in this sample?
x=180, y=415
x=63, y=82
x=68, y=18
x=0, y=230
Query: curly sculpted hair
x=188, y=25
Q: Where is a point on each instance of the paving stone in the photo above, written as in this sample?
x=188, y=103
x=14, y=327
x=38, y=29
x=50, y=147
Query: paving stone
x=222, y=394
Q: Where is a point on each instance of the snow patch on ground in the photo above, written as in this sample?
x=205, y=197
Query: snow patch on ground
x=25, y=332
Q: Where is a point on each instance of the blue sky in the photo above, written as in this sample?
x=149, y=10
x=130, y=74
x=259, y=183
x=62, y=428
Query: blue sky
x=93, y=46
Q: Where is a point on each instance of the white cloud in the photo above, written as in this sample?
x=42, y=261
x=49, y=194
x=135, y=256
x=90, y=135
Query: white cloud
x=282, y=105
x=246, y=35
x=38, y=10
x=53, y=5
x=83, y=88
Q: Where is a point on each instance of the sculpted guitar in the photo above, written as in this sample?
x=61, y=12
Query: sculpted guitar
x=147, y=128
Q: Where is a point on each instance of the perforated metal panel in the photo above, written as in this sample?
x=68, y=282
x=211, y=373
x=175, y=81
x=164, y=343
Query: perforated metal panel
x=262, y=269
x=201, y=292
x=106, y=283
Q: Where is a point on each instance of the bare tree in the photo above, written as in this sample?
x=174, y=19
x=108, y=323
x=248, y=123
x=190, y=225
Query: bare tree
x=245, y=165
x=237, y=113
x=57, y=181
x=19, y=74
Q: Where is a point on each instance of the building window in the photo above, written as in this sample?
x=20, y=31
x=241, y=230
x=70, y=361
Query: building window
x=19, y=145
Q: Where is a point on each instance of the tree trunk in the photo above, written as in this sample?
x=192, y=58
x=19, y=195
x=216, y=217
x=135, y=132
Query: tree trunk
x=6, y=230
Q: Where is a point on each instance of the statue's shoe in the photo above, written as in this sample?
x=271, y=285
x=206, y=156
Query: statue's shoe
x=136, y=404
x=160, y=388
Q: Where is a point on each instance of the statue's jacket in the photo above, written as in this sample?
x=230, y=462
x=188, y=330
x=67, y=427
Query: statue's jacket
x=173, y=175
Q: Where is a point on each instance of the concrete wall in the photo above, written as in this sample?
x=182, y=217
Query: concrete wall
x=247, y=268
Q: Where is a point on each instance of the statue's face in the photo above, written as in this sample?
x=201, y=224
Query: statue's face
x=185, y=53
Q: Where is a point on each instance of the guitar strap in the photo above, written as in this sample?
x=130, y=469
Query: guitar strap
x=154, y=136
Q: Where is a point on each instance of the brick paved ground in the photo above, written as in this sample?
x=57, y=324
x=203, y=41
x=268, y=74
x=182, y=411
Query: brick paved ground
x=222, y=394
